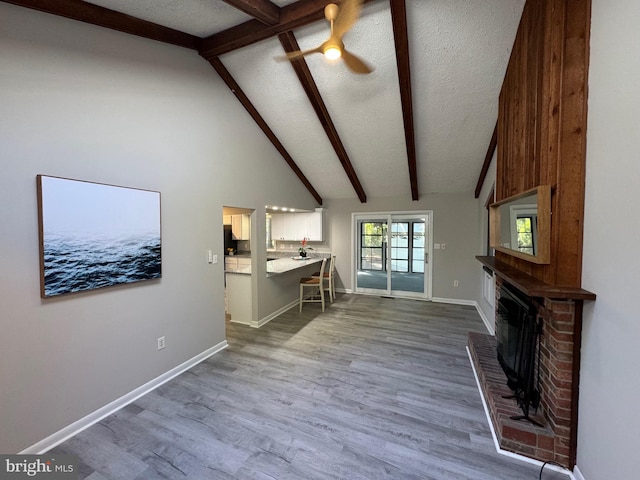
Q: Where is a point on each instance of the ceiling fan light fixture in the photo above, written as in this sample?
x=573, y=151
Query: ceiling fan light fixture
x=332, y=52
x=342, y=19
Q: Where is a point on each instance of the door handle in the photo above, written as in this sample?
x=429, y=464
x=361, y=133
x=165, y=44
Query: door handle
x=426, y=257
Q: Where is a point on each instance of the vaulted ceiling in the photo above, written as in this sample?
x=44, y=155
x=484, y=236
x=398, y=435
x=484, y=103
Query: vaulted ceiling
x=421, y=123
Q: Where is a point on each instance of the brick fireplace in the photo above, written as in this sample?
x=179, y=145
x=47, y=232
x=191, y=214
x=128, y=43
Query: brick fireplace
x=559, y=364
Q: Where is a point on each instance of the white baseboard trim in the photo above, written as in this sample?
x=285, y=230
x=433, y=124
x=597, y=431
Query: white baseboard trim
x=506, y=453
x=248, y=324
x=485, y=320
x=78, y=426
x=578, y=474
x=273, y=315
x=454, y=301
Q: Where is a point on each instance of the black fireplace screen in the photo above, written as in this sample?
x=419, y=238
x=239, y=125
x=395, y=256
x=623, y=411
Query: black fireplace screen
x=518, y=330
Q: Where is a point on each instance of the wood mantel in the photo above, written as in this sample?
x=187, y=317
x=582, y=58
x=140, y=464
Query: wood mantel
x=531, y=285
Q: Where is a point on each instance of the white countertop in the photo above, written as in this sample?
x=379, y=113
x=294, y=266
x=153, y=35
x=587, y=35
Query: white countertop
x=283, y=265
x=274, y=267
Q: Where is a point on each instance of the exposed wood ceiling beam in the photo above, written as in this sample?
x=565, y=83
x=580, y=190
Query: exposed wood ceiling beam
x=246, y=103
x=103, y=17
x=292, y=16
x=487, y=160
x=290, y=44
x=400, y=36
x=262, y=10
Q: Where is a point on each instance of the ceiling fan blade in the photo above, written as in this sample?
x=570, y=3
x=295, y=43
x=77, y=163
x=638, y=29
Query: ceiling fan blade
x=355, y=64
x=298, y=54
x=347, y=16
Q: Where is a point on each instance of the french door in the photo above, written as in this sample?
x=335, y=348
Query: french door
x=392, y=254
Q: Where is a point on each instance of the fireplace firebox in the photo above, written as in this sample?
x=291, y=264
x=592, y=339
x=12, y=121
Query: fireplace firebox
x=518, y=330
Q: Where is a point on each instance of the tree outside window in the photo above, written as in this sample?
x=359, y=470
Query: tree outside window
x=525, y=237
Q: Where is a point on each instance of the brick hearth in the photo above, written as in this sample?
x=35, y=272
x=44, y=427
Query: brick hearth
x=558, y=385
x=514, y=435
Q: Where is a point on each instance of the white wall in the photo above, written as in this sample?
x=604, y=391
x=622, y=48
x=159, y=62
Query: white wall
x=88, y=103
x=609, y=422
x=454, y=223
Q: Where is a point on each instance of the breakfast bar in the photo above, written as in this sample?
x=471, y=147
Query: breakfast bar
x=278, y=266
x=238, y=274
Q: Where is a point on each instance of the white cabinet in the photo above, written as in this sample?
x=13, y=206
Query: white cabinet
x=293, y=227
x=241, y=227
x=235, y=264
x=302, y=226
x=283, y=226
x=277, y=226
x=239, y=304
x=310, y=226
x=226, y=219
x=315, y=226
x=290, y=227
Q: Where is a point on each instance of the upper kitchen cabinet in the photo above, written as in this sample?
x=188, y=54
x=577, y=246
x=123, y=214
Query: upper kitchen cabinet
x=315, y=228
x=241, y=227
x=283, y=226
x=294, y=227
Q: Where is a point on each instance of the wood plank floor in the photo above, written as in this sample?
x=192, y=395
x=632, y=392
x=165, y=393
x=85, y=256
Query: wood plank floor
x=374, y=388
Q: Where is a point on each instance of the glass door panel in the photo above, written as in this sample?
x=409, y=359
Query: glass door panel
x=392, y=254
x=418, y=247
x=371, y=272
x=399, y=247
x=407, y=260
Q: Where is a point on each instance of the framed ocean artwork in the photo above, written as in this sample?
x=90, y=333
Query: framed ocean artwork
x=94, y=235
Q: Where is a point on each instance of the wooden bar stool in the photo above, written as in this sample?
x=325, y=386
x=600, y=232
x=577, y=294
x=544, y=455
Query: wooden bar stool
x=315, y=283
x=329, y=275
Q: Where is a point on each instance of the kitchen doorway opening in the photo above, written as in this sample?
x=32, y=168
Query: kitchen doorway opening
x=392, y=254
x=238, y=264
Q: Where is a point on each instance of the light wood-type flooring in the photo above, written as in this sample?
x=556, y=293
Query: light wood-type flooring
x=374, y=388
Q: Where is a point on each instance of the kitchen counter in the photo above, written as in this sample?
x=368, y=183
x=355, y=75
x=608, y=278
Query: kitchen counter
x=284, y=265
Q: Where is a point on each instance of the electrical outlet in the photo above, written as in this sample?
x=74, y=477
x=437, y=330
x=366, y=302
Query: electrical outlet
x=161, y=343
x=456, y=283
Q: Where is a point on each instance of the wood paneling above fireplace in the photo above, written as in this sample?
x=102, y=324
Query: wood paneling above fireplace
x=542, y=127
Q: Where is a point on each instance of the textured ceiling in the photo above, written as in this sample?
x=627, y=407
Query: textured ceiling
x=459, y=51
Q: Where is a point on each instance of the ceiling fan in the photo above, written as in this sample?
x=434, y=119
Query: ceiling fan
x=342, y=19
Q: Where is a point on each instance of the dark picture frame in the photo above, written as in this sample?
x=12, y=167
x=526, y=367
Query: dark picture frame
x=95, y=235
